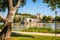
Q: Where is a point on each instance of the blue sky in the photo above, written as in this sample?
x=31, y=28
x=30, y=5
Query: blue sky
x=34, y=8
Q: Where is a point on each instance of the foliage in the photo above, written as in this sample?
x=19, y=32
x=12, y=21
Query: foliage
x=4, y=4
x=52, y=3
x=33, y=16
x=25, y=14
x=17, y=19
x=49, y=18
x=44, y=18
x=57, y=18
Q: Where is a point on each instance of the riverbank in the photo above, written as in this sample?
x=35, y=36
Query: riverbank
x=34, y=37
x=31, y=36
x=36, y=29
x=41, y=30
x=17, y=35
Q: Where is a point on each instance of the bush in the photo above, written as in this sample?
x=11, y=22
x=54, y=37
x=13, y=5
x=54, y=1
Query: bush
x=58, y=31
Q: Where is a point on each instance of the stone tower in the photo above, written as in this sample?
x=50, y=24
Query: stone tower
x=39, y=17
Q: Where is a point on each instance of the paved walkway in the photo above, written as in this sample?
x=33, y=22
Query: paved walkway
x=35, y=33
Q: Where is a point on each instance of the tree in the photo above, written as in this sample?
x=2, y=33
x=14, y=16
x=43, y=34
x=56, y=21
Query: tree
x=12, y=6
x=52, y=3
x=44, y=18
x=17, y=19
x=57, y=18
x=33, y=16
x=49, y=18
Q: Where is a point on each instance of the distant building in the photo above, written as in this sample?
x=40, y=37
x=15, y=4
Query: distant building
x=29, y=20
x=39, y=16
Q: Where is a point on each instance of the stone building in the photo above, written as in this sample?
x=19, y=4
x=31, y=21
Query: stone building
x=39, y=17
x=29, y=20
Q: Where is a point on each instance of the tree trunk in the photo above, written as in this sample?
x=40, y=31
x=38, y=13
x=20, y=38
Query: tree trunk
x=5, y=33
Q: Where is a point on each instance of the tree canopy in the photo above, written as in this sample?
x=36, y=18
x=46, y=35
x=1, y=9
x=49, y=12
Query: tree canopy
x=52, y=3
x=44, y=18
x=4, y=4
x=49, y=18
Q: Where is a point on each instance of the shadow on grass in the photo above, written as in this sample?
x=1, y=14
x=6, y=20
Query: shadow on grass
x=21, y=35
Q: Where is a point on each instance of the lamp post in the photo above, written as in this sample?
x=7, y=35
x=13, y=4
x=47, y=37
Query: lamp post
x=55, y=23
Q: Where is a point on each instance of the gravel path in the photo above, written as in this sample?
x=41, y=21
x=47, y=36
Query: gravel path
x=35, y=33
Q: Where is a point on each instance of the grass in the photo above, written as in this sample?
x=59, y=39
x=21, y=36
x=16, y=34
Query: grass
x=16, y=36
x=58, y=31
x=32, y=37
x=36, y=29
x=41, y=30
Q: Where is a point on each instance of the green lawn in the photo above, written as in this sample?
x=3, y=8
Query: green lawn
x=32, y=37
x=15, y=36
x=36, y=29
x=41, y=30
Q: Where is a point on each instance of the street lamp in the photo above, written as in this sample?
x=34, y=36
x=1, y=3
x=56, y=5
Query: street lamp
x=55, y=22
